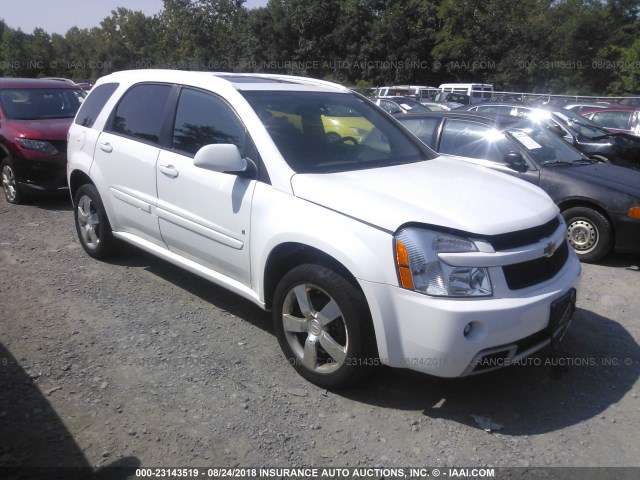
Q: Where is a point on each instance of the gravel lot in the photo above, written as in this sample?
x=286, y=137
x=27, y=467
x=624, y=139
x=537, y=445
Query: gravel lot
x=135, y=361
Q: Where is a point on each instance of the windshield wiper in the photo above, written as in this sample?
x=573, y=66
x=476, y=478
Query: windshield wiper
x=585, y=161
x=554, y=163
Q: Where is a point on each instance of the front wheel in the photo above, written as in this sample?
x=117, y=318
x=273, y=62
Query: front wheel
x=589, y=233
x=92, y=224
x=323, y=325
x=10, y=187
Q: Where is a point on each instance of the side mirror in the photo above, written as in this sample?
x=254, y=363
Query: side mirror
x=516, y=161
x=223, y=158
x=557, y=129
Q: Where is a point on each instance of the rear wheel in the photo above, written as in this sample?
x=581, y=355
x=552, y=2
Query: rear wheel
x=92, y=224
x=323, y=325
x=10, y=183
x=589, y=233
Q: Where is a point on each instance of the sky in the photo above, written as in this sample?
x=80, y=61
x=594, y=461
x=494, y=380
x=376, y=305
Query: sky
x=58, y=16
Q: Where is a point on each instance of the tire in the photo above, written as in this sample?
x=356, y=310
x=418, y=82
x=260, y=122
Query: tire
x=92, y=224
x=589, y=233
x=330, y=341
x=10, y=187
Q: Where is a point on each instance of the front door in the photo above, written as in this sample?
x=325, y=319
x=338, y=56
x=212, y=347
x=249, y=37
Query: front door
x=205, y=215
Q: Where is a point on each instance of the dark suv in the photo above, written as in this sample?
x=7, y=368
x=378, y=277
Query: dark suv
x=35, y=116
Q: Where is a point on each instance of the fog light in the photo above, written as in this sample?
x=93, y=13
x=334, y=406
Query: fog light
x=467, y=329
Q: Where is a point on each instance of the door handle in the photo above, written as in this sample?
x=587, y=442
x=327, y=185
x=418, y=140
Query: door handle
x=106, y=147
x=169, y=171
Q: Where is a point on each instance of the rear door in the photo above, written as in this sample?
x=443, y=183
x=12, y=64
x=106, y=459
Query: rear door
x=205, y=215
x=125, y=159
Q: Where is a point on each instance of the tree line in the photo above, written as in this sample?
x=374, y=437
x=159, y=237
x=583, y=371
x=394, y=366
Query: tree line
x=549, y=46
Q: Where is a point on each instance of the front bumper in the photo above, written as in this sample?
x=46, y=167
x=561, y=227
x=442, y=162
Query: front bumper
x=427, y=334
x=41, y=175
x=627, y=233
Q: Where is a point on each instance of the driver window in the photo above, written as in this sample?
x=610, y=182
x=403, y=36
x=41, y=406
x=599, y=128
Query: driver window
x=203, y=119
x=474, y=140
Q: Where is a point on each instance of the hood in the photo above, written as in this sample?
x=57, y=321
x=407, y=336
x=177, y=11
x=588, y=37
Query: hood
x=613, y=177
x=446, y=192
x=46, y=129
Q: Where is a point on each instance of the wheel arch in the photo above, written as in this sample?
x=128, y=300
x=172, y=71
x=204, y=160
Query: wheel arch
x=4, y=153
x=584, y=203
x=76, y=180
x=286, y=256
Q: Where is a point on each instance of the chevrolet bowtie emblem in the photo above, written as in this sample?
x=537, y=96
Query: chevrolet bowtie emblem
x=550, y=249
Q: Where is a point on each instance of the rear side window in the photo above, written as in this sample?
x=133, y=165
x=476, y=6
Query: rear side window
x=203, y=119
x=93, y=104
x=140, y=112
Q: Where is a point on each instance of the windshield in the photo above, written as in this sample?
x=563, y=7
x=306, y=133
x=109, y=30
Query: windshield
x=581, y=125
x=543, y=146
x=40, y=103
x=320, y=132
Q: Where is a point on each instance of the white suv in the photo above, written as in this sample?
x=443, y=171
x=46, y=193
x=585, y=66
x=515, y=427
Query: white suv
x=308, y=200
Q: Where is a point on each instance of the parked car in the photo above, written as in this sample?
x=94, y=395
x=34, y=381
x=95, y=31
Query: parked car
x=437, y=107
x=591, y=139
x=616, y=119
x=579, y=107
x=453, y=98
x=599, y=202
x=370, y=252
x=400, y=105
x=630, y=102
x=35, y=116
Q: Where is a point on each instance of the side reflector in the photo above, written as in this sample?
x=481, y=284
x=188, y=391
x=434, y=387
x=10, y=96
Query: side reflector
x=634, y=212
x=402, y=261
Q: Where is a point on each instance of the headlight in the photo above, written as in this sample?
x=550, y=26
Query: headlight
x=420, y=269
x=37, y=146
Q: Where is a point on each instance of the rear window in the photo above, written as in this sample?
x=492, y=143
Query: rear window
x=94, y=103
x=140, y=113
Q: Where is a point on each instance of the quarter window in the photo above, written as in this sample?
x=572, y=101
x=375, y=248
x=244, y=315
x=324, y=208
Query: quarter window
x=94, y=103
x=423, y=128
x=204, y=119
x=140, y=113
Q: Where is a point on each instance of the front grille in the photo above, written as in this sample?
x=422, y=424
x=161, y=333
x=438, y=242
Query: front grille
x=525, y=274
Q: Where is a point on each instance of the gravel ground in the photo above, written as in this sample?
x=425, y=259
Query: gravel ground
x=134, y=360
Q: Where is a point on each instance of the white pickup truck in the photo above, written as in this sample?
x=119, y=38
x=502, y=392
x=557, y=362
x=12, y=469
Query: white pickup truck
x=310, y=201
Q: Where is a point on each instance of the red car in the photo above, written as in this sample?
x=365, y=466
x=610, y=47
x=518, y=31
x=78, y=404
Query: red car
x=35, y=116
x=616, y=119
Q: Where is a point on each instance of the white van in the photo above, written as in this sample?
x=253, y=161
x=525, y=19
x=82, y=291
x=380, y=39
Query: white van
x=420, y=92
x=478, y=92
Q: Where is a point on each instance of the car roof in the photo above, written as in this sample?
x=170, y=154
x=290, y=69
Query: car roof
x=239, y=81
x=34, y=83
x=610, y=109
x=400, y=98
x=494, y=119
